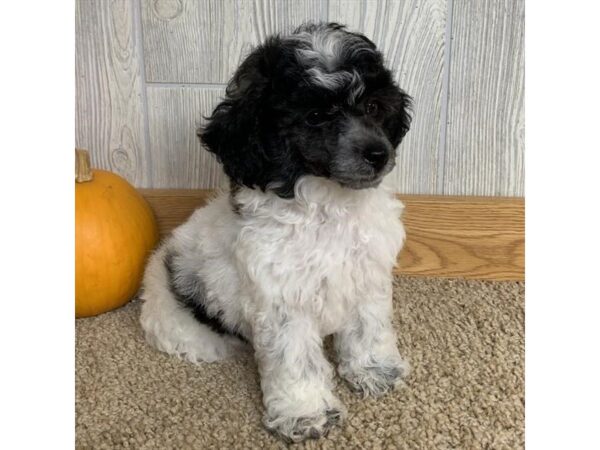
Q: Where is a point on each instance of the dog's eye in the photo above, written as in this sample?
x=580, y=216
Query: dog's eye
x=318, y=117
x=372, y=108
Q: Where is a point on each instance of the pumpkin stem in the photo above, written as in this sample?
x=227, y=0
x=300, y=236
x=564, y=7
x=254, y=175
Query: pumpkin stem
x=83, y=170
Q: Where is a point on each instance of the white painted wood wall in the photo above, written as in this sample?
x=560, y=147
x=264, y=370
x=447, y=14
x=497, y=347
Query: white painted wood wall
x=148, y=70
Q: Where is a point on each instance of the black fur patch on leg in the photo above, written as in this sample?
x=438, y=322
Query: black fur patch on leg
x=193, y=298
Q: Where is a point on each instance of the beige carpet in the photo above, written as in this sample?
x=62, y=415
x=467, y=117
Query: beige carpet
x=464, y=340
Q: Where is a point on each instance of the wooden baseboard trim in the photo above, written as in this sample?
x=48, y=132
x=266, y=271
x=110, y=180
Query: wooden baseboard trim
x=453, y=237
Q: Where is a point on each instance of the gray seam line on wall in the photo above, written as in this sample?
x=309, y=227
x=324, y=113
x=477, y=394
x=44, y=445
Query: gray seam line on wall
x=440, y=188
x=173, y=84
x=139, y=36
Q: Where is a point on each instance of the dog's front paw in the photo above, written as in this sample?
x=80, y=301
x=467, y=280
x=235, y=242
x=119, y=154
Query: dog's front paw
x=374, y=379
x=297, y=429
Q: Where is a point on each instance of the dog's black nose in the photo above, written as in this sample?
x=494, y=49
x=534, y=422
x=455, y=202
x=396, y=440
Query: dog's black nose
x=376, y=155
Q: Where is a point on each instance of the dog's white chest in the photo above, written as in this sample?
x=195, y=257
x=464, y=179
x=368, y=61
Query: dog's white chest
x=357, y=249
x=323, y=251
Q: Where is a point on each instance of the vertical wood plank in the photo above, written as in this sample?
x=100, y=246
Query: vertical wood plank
x=485, y=135
x=109, y=117
x=179, y=160
x=203, y=41
x=411, y=35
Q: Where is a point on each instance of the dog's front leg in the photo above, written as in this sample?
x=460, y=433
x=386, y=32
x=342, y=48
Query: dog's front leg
x=296, y=379
x=366, y=346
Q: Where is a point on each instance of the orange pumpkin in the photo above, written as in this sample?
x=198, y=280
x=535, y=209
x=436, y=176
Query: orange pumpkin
x=115, y=230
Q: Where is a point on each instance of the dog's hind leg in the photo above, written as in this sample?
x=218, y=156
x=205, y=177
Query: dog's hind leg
x=171, y=327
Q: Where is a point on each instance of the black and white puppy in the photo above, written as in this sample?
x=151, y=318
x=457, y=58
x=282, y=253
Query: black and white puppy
x=303, y=244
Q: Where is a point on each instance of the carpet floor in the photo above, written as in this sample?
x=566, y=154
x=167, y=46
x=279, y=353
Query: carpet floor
x=463, y=339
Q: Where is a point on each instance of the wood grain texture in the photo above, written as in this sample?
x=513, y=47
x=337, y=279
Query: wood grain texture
x=203, y=41
x=109, y=117
x=462, y=61
x=178, y=158
x=470, y=237
x=454, y=237
x=411, y=35
x=485, y=134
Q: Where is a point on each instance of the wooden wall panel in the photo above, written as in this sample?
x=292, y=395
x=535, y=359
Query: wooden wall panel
x=178, y=158
x=411, y=34
x=485, y=136
x=202, y=41
x=109, y=117
x=462, y=61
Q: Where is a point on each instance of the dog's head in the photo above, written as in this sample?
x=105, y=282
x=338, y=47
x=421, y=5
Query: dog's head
x=318, y=102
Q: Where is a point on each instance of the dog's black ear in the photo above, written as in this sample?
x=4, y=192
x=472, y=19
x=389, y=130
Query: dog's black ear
x=232, y=131
x=398, y=122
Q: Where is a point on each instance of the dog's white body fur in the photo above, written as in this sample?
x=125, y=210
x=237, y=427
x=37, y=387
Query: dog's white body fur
x=285, y=273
